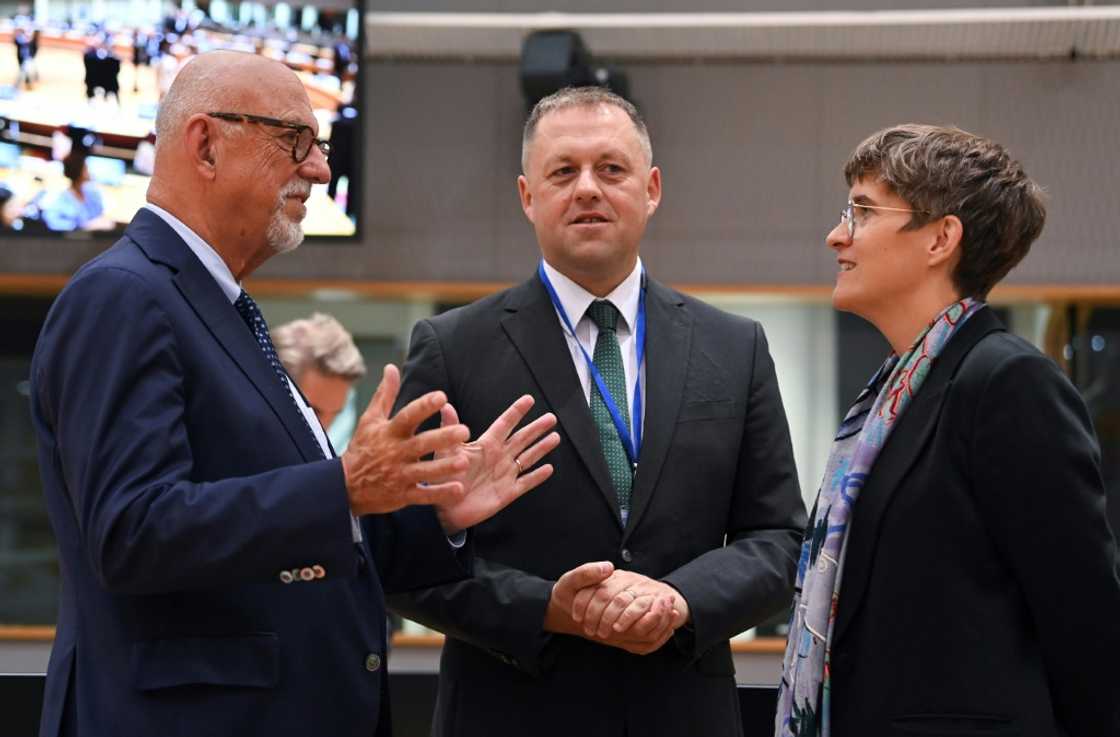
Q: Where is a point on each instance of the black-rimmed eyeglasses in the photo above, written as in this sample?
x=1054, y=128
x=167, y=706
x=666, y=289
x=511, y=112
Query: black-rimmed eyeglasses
x=301, y=136
x=847, y=215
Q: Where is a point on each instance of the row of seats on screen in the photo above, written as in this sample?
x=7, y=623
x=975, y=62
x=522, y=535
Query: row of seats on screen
x=102, y=169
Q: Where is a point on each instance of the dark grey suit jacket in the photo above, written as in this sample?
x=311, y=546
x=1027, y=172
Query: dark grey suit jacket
x=716, y=513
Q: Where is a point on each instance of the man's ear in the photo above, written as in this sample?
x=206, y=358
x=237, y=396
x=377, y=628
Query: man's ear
x=526, y=196
x=653, y=190
x=200, y=142
x=946, y=245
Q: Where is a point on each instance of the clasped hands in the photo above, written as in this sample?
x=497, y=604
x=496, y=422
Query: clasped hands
x=467, y=483
x=613, y=607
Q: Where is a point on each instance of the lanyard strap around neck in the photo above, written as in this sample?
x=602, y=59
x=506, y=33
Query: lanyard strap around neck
x=631, y=443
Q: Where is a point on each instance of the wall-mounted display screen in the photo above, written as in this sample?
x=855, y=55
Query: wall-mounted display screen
x=81, y=82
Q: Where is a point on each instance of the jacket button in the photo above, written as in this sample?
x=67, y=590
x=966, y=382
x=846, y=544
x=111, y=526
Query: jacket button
x=627, y=556
x=373, y=662
x=286, y=577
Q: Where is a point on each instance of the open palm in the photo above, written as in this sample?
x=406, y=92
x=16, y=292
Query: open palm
x=494, y=478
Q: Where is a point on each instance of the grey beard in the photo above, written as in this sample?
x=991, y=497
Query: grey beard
x=285, y=235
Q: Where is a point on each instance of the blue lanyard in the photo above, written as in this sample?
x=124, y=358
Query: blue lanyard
x=632, y=444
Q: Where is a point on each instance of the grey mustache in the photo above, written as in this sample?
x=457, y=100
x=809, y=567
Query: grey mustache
x=298, y=187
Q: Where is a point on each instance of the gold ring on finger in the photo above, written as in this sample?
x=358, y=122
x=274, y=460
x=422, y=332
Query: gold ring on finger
x=520, y=470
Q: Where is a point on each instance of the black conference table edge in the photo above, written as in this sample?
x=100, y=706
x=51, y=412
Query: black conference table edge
x=413, y=698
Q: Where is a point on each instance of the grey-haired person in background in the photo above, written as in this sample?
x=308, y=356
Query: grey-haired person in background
x=320, y=356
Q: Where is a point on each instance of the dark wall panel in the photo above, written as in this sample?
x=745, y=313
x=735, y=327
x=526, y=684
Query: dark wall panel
x=751, y=155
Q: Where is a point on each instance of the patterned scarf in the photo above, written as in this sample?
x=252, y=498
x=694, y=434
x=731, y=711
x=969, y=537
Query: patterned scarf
x=803, y=697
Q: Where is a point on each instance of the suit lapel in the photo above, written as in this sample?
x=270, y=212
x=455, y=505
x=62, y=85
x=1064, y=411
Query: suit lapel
x=162, y=244
x=903, y=448
x=668, y=338
x=535, y=331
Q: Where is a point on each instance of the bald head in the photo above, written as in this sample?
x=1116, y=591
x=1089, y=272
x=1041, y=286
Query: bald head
x=236, y=179
x=218, y=80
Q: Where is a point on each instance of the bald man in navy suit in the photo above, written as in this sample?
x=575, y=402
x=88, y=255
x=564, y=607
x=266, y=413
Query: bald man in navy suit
x=223, y=572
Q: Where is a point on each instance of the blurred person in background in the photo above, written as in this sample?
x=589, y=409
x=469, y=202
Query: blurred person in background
x=320, y=356
x=343, y=55
x=102, y=67
x=962, y=505
x=33, y=72
x=139, y=56
x=167, y=66
x=25, y=55
x=9, y=208
x=344, y=155
x=79, y=206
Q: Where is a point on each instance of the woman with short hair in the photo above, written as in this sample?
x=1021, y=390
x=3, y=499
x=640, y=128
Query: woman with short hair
x=958, y=576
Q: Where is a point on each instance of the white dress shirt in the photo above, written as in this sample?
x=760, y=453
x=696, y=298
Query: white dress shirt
x=626, y=296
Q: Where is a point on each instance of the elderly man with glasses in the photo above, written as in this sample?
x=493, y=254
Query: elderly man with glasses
x=223, y=571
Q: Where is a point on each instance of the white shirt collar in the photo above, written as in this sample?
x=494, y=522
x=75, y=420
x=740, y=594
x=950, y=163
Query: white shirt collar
x=575, y=299
x=210, y=259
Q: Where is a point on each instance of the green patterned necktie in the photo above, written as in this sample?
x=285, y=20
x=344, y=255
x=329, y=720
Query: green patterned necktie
x=608, y=359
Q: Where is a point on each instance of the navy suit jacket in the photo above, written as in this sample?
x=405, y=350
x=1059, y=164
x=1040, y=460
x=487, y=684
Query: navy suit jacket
x=180, y=482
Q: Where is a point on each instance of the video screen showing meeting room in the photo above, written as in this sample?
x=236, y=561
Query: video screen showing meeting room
x=81, y=83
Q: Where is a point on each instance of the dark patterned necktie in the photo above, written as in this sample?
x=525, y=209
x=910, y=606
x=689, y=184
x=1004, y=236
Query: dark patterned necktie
x=608, y=359
x=252, y=316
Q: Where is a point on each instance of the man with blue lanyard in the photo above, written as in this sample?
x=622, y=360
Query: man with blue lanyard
x=602, y=604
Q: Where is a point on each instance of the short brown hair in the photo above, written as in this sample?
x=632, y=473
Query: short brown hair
x=943, y=171
x=570, y=97
x=74, y=164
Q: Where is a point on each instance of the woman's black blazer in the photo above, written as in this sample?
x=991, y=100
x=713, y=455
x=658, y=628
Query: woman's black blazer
x=980, y=592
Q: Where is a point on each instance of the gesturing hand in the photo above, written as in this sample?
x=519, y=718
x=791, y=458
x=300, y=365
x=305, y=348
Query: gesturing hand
x=382, y=463
x=497, y=464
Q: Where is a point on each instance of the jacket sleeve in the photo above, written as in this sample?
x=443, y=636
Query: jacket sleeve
x=109, y=404
x=735, y=587
x=1036, y=469
x=498, y=609
x=411, y=551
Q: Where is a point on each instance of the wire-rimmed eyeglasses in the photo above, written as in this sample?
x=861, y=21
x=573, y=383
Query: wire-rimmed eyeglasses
x=847, y=215
x=302, y=137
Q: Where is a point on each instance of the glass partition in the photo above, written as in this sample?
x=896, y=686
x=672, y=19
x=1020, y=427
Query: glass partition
x=822, y=359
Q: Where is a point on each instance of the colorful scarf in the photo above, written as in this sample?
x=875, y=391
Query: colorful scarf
x=803, y=696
